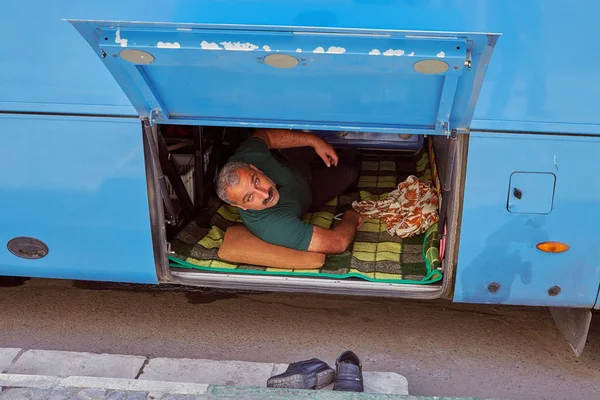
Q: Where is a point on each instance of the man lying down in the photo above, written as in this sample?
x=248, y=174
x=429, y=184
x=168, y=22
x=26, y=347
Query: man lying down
x=275, y=177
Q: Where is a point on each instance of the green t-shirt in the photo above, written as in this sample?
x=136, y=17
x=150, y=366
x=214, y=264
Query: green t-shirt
x=281, y=224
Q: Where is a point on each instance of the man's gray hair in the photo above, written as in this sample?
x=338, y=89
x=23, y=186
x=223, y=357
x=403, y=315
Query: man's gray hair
x=228, y=177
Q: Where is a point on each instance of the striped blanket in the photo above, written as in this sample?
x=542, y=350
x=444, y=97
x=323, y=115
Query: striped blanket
x=375, y=255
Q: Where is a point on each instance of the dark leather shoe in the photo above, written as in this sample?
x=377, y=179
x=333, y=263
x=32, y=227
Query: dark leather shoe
x=308, y=374
x=348, y=375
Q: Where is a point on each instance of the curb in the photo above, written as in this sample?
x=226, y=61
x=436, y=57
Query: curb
x=53, y=365
x=50, y=374
x=47, y=386
x=88, y=382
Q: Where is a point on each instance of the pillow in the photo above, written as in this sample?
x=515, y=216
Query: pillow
x=242, y=246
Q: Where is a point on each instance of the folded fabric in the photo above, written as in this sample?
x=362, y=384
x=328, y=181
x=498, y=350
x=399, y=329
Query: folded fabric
x=407, y=211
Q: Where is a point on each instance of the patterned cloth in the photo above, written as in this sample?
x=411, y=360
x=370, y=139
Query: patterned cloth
x=407, y=211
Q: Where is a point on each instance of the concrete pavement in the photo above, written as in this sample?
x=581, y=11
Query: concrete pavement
x=7, y=356
x=441, y=348
x=210, y=393
x=115, y=389
x=64, y=375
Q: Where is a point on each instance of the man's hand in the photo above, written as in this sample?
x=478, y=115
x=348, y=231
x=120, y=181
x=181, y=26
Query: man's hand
x=326, y=152
x=337, y=239
x=285, y=139
x=359, y=224
x=355, y=217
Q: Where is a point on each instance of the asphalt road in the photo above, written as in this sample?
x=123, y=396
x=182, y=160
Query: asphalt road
x=442, y=348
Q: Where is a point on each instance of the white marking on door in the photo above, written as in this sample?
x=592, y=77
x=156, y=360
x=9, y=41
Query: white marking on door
x=336, y=50
x=392, y=52
x=441, y=54
x=168, y=45
x=239, y=46
x=122, y=42
x=209, y=45
x=374, y=52
x=319, y=50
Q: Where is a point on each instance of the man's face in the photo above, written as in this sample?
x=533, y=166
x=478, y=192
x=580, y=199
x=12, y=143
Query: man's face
x=254, y=191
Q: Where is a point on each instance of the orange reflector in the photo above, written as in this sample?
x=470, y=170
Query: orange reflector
x=552, y=247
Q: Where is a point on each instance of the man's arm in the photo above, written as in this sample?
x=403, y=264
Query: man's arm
x=285, y=139
x=338, y=239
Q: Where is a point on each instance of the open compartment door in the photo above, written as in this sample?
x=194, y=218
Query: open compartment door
x=292, y=77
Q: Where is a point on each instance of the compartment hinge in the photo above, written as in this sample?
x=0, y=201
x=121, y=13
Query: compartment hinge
x=171, y=217
x=156, y=114
x=444, y=126
x=446, y=181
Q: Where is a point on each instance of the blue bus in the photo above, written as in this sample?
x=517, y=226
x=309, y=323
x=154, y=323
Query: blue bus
x=115, y=118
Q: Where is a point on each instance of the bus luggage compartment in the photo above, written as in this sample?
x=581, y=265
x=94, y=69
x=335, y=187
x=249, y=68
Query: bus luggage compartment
x=374, y=257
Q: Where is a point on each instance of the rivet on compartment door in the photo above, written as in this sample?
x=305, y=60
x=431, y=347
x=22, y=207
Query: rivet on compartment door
x=281, y=61
x=431, y=67
x=493, y=287
x=554, y=291
x=137, y=56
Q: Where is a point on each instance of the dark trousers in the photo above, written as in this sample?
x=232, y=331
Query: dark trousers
x=326, y=182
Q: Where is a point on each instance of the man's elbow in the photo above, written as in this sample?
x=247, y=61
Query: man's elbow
x=264, y=135
x=339, y=244
x=329, y=241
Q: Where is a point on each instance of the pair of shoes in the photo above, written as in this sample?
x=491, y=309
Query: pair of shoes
x=316, y=374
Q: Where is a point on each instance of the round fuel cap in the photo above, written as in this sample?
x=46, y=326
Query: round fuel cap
x=281, y=61
x=27, y=247
x=431, y=67
x=137, y=56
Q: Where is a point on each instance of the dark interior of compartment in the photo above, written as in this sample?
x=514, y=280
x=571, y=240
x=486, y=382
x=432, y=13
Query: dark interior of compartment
x=375, y=255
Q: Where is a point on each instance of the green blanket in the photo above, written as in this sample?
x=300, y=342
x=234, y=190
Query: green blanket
x=375, y=255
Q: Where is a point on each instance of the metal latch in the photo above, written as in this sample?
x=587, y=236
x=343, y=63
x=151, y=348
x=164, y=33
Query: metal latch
x=170, y=249
x=468, y=60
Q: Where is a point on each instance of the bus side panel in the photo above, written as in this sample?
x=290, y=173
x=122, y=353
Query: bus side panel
x=79, y=186
x=522, y=190
x=532, y=83
x=47, y=67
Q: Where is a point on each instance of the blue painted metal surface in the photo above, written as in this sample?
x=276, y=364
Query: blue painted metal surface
x=499, y=246
x=532, y=84
x=47, y=67
x=79, y=185
x=531, y=193
x=359, y=79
